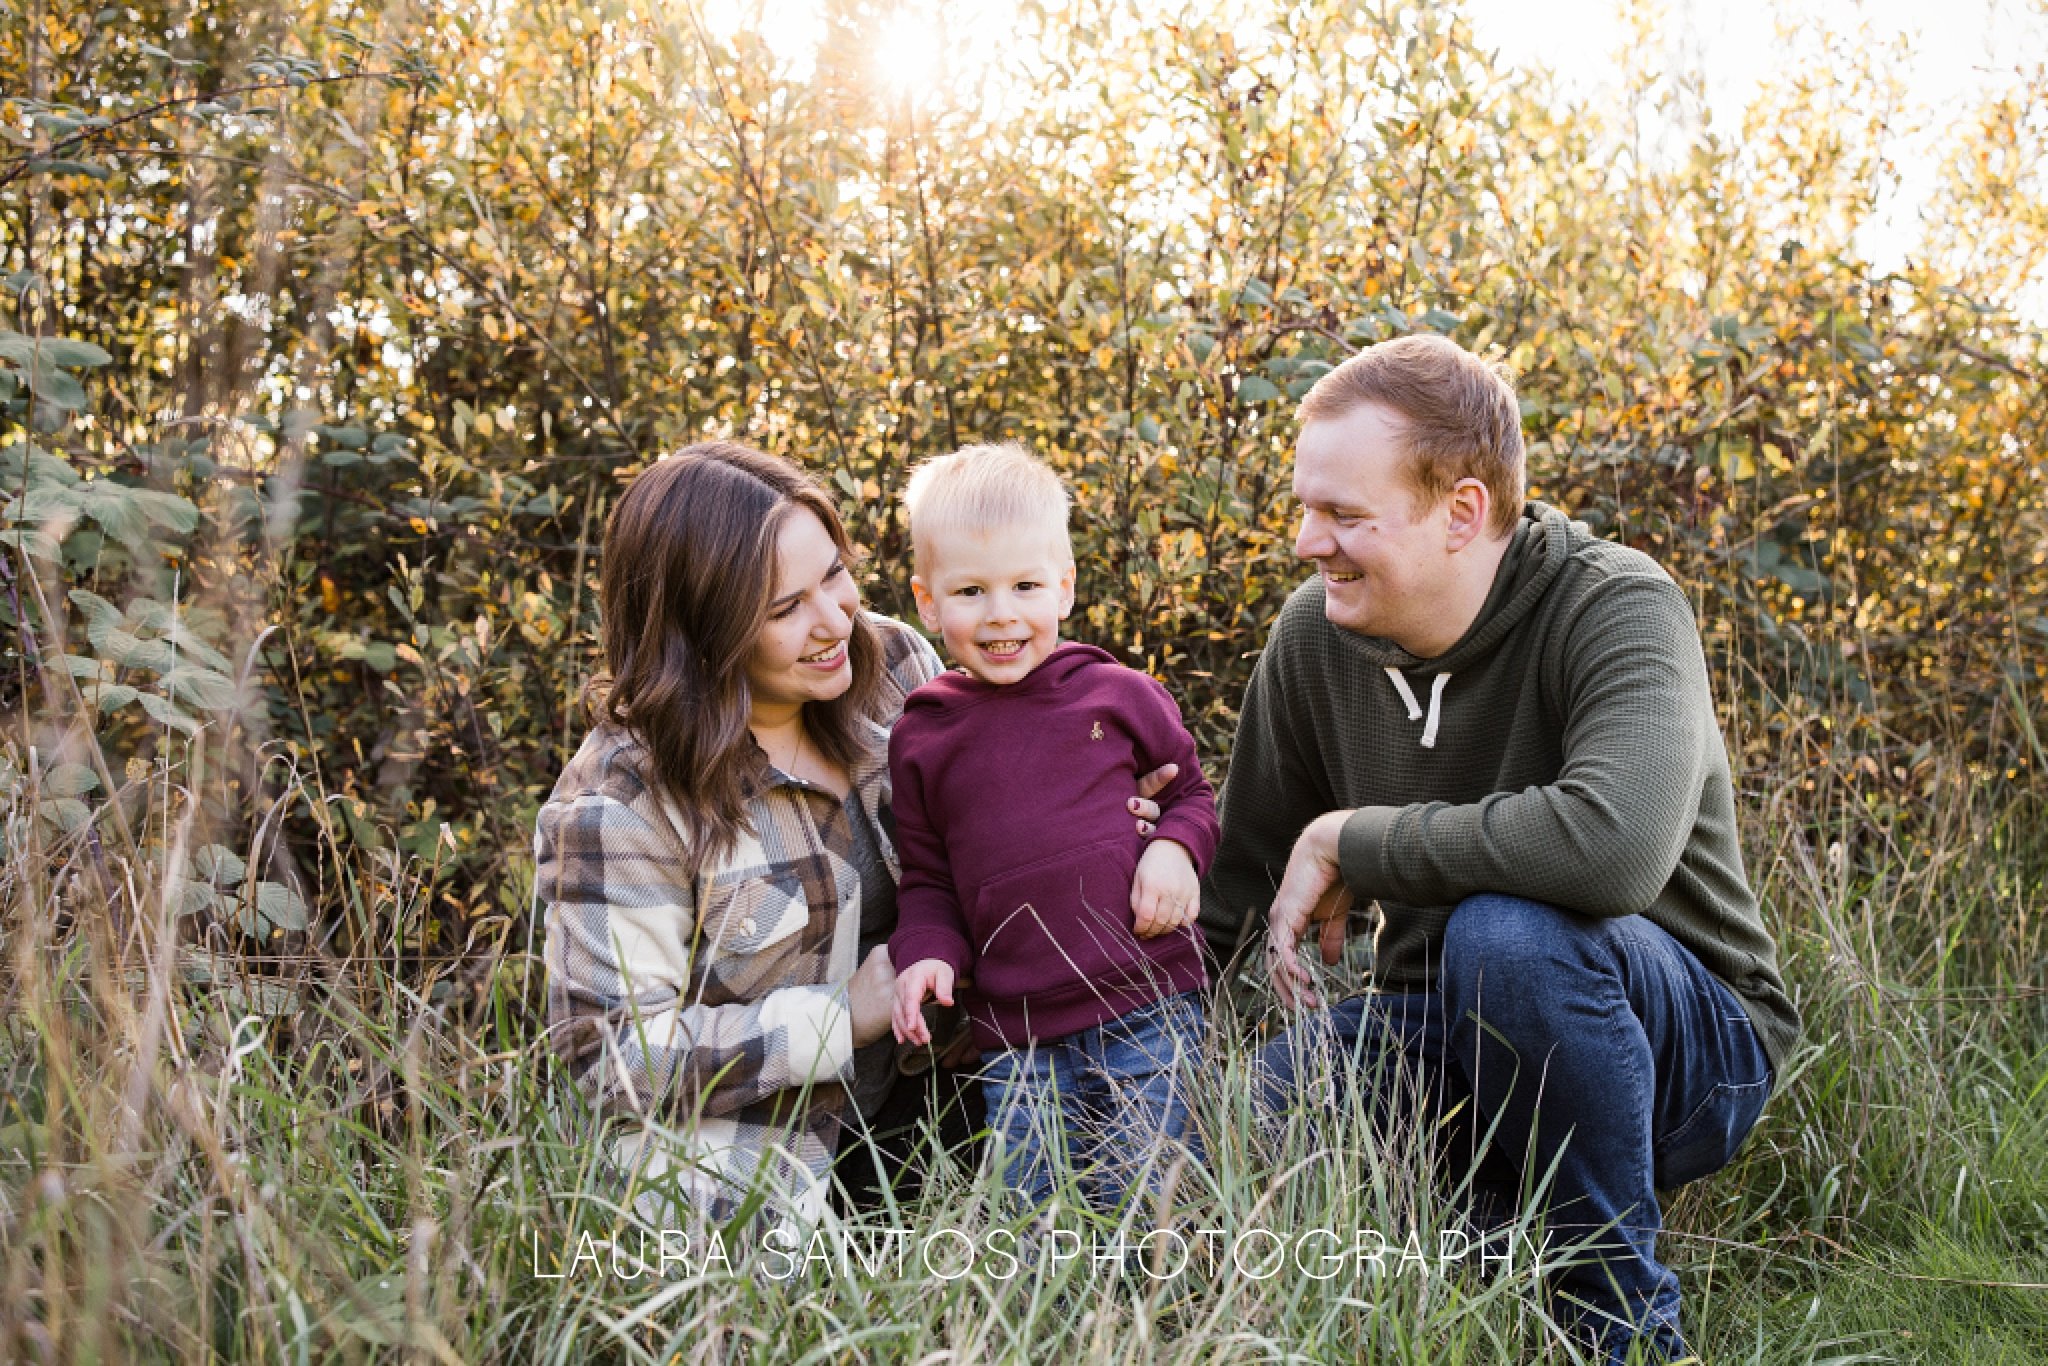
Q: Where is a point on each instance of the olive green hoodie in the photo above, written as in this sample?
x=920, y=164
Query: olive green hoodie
x=1564, y=750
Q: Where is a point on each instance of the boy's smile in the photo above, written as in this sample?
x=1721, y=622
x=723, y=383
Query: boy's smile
x=997, y=599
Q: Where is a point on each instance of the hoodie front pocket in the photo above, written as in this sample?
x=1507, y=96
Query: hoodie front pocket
x=1058, y=921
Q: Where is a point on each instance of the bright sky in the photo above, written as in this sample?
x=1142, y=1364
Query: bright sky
x=1956, y=48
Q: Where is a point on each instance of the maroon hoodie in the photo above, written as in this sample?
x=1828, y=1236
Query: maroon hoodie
x=1018, y=850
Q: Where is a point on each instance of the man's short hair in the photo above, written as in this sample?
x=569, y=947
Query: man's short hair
x=1459, y=417
x=981, y=489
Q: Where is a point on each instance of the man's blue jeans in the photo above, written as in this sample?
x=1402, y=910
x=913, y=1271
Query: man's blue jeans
x=1110, y=1100
x=1601, y=1045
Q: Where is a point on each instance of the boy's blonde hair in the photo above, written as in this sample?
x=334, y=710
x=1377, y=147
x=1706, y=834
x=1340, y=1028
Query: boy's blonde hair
x=980, y=489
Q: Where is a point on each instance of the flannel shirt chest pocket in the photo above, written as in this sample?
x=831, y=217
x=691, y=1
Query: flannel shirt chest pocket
x=751, y=930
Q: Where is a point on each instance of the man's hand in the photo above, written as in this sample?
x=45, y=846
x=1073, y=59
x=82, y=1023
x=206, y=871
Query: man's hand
x=1310, y=893
x=1151, y=785
x=928, y=978
x=1166, y=893
x=870, y=993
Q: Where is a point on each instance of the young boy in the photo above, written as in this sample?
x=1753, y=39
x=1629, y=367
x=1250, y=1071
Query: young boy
x=1020, y=867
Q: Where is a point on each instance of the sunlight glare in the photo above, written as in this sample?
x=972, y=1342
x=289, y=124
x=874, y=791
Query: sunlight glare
x=792, y=29
x=910, y=52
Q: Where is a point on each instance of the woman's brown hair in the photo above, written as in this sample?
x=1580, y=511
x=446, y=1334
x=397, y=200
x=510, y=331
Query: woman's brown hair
x=689, y=570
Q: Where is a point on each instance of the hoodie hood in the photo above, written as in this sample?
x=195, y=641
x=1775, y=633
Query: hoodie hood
x=1543, y=540
x=957, y=687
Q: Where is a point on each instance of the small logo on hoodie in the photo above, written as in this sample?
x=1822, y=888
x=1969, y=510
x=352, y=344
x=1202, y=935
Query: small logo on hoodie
x=1096, y=734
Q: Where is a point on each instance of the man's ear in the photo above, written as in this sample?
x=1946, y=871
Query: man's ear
x=927, y=605
x=1468, y=506
x=1067, y=591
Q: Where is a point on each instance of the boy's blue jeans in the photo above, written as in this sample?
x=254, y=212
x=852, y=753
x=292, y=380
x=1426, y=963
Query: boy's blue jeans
x=1107, y=1100
x=1600, y=1044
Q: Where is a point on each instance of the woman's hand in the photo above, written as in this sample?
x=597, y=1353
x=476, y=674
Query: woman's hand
x=871, y=995
x=1151, y=785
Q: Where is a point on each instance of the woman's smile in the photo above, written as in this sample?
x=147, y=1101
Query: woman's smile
x=828, y=659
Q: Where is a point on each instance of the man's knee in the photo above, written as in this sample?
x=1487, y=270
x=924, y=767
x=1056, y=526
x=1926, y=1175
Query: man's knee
x=1493, y=938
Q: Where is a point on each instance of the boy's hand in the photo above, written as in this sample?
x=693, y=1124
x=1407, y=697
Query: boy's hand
x=1166, y=894
x=926, y=978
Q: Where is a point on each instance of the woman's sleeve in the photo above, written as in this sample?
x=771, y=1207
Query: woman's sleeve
x=617, y=892
x=908, y=661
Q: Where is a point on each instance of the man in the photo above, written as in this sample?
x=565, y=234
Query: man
x=1500, y=730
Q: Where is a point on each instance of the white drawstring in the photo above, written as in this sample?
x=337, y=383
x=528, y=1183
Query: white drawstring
x=1436, y=703
x=1407, y=693
x=1436, y=710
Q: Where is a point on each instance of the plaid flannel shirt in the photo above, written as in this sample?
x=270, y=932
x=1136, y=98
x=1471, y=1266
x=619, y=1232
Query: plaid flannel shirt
x=702, y=1002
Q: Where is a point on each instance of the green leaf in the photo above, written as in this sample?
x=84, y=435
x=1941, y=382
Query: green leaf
x=82, y=666
x=37, y=542
x=66, y=813
x=155, y=616
x=1253, y=389
x=351, y=438
x=220, y=865
x=100, y=614
x=167, y=510
x=70, y=353
x=202, y=689
x=274, y=906
x=164, y=713
x=109, y=504
x=130, y=651
x=374, y=1312
x=361, y=827
x=45, y=471
x=193, y=897
x=69, y=780
x=340, y=459
x=54, y=387
x=113, y=697
x=259, y=996
x=67, y=166
x=42, y=505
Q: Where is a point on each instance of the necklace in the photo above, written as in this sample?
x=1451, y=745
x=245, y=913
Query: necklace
x=796, y=757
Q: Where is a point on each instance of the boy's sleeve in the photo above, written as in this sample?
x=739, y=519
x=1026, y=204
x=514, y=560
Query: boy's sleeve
x=928, y=919
x=617, y=896
x=1187, y=808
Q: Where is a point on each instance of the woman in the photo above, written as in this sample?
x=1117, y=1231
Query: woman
x=714, y=864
